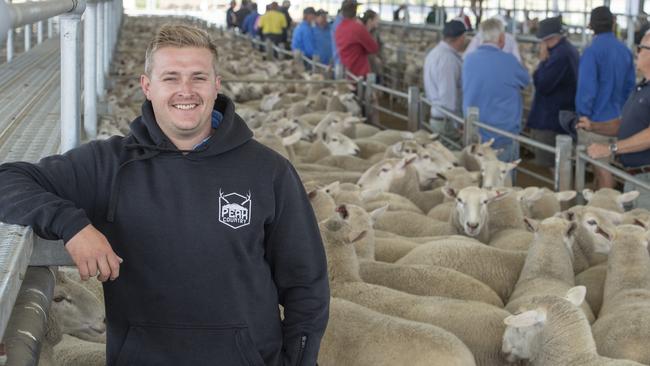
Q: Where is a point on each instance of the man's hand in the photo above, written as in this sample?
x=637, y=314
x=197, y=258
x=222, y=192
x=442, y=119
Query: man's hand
x=92, y=253
x=543, y=51
x=597, y=151
x=584, y=123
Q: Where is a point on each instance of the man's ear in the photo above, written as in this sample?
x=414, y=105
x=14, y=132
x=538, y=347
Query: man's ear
x=218, y=83
x=145, y=84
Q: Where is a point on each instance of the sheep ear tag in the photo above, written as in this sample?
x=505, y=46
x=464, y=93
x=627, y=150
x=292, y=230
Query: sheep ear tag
x=234, y=209
x=525, y=319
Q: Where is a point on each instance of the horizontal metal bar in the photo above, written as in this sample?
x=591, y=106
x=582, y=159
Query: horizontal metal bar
x=285, y=81
x=617, y=172
x=353, y=77
x=390, y=91
x=522, y=139
x=389, y=112
x=17, y=15
x=535, y=175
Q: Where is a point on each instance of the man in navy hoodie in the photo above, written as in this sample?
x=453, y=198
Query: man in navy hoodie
x=208, y=230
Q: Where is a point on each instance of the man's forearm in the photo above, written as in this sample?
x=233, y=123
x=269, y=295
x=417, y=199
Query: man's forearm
x=609, y=128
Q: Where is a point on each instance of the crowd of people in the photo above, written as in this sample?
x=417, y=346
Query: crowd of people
x=590, y=96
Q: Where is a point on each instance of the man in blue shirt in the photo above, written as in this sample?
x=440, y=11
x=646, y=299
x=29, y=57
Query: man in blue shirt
x=303, y=35
x=555, y=82
x=323, y=37
x=605, y=79
x=248, y=26
x=492, y=81
x=632, y=130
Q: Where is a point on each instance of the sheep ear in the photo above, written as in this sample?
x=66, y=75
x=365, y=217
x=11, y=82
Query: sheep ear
x=565, y=195
x=434, y=136
x=640, y=223
x=441, y=176
x=627, y=197
x=571, y=230
x=532, y=194
x=472, y=149
x=588, y=194
x=488, y=143
x=497, y=195
x=576, y=295
x=531, y=225
x=398, y=147
x=513, y=164
x=525, y=319
x=286, y=141
x=407, y=135
x=378, y=213
x=449, y=192
x=370, y=194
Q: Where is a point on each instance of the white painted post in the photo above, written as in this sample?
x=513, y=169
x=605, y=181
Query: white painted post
x=107, y=54
x=90, y=71
x=100, y=51
x=70, y=80
x=27, y=29
x=39, y=32
x=10, y=45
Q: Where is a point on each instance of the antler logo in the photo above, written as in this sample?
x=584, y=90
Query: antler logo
x=234, y=209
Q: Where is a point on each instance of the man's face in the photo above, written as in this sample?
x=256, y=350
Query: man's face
x=643, y=57
x=182, y=88
x=321, y=20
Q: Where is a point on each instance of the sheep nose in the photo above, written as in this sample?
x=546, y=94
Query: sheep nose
x=472, y=225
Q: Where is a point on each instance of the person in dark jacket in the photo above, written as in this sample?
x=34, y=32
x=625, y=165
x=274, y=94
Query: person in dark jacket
x=242, y=13
x=202, y=231
x=231, y=17
x=555, y=82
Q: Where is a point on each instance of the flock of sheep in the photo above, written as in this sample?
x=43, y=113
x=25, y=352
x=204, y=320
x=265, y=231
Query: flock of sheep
x=433, y=258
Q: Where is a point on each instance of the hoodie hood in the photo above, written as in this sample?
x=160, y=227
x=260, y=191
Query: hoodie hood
x=231, y=132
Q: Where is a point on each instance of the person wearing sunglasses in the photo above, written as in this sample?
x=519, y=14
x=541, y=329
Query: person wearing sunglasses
x=632, y=130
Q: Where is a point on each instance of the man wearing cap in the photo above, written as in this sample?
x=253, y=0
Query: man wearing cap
x=441, y=76
x=605, y=79
x=353, y=41
x=323, y=37
x=303, y=34
x=632, y=130
x=555, y=83
x=492, y=81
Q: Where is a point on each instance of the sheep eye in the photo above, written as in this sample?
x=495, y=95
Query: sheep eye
x=58, y=298
x=459, y=201
x=503, y=172
x=592, y=222
x=334, y=140
x=485, y=202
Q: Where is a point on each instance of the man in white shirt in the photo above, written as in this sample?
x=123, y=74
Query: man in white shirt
x=442, y=77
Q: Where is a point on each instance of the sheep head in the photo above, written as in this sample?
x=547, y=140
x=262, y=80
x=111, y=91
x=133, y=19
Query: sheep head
x=472, y=206
x=381, y=175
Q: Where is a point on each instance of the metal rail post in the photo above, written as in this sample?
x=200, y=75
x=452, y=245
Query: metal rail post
x=563, y=149
x=580, y=174
x=50, y=28
x=70, y=80
x=90, y=71
x=371, y=79
x=10, y=45
x=269, y=50
x=39, y=32
x=414, y=108
x=339, y=71
x=469, y=135
x=107, y=54
x=28, y=36
x=99, y=69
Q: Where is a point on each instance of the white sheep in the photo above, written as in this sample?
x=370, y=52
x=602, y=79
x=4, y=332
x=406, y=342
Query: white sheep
x=477, y=324
x=623, y=327
x=548, y=269
x=359, y=336
x=553, y=331
x=541, y=203
x=496, y=173
x=608, y=198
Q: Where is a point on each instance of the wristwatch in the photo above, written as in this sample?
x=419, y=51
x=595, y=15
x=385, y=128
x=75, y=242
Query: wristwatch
x=613, y=148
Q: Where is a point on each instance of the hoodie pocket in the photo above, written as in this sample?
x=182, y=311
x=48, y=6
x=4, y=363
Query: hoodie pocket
x=160, y=345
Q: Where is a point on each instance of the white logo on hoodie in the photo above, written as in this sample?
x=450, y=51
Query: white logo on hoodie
x=234, y=209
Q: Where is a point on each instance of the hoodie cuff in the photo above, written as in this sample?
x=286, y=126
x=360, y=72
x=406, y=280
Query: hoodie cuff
x=69, y=225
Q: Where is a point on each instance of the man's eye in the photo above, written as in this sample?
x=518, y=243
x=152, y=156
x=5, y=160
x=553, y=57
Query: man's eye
x=169, y=79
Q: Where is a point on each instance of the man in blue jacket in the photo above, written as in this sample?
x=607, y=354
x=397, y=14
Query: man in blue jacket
x=606, y=78
x=555, y=86
x=303, y=34
x=323, y=37
x=202, y=231
x=248, y=26
x=492, y=81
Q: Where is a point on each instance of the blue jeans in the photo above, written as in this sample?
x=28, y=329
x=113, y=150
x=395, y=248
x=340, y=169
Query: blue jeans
x=643, y=201
x=509, y=152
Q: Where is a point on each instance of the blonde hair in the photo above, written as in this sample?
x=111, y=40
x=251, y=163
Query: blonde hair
x=179, y=35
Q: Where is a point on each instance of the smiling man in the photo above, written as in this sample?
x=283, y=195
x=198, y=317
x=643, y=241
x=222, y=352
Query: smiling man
x=208, y=230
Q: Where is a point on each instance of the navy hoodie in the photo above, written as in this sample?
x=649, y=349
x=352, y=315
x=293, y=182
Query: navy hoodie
x=212, y=241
